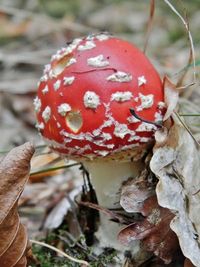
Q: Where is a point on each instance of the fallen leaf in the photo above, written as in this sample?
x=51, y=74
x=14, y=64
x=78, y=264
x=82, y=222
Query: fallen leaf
x=42, y=161
x=176, y=165
x=135, y=191
x=171, y=95
x=153, y=231
x=188, y=263
x=14, y=173
x=58, y=213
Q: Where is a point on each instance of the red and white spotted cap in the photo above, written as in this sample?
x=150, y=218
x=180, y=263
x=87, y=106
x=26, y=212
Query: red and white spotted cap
x=86, y=93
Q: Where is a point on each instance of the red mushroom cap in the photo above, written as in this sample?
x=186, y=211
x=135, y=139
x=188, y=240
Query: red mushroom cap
x=86, y=93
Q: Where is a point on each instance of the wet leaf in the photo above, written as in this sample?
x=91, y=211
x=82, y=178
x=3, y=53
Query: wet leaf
x=14, y=173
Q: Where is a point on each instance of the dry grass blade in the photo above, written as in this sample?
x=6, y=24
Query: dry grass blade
x=52, y=169
x=85, y=263
x=192, y=51
x=14, y=172
x=189, y=115
x=149, y=24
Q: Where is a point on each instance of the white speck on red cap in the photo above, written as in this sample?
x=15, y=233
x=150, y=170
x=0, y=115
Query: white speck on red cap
x=121, y=130
x=102, y=37
x=40, y=126
x=45, y=90
x=63, y=109
x=46, y=114
x=106, y=136
x=87, y=46
x=134, y=138
x=47, y=68
x=132, y=119
x=52, y=74
x=161, y=105
x=145, y=139
x=121, y=96
x=44, y=78
x=37, y=104
x=97, y=61
x=146, y=127
x=71, y=61
x=77, y=41
x=56, y=85
x=91, y=100
x=120, y=76
x=102, y=153
x=146, y=101
x=158, y=117
x=141, y=80
x=80, y=136
x=68, y=80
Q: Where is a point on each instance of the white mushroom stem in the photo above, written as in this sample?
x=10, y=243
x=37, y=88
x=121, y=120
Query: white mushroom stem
x=107, y=178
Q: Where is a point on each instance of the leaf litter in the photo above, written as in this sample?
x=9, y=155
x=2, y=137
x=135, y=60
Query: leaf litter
x=14, y=173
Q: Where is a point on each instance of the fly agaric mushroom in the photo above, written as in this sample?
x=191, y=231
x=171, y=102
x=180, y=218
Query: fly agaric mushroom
x=83, y=111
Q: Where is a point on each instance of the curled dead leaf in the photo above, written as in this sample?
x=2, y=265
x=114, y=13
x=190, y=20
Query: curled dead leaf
x=153, y=231
x=135, y=191
x=14, y=172
x=176, y=165
x=171, y=95
x=188, y=263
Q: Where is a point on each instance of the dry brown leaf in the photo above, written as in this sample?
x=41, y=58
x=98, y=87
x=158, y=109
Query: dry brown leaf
x=153, y=231
x=14, y=173
x=176, y=165
x=188, y=263
x=171, y=95
x=41, y=162
x=135, y=191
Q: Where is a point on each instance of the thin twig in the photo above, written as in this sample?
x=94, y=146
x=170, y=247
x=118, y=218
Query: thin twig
x=186, y=127
x=110, y=213
x=149, y=25
x=191, y=43
x=59, y=251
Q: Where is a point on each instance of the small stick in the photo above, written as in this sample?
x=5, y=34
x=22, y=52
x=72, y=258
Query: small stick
x=60, y=252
